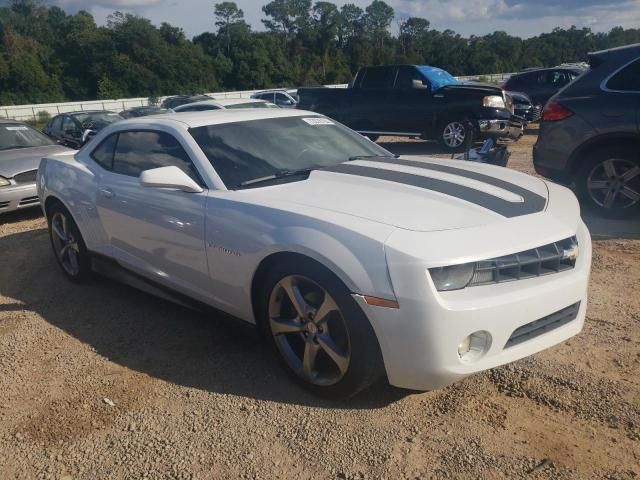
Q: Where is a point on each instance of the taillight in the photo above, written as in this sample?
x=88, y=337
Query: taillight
x=554, y=111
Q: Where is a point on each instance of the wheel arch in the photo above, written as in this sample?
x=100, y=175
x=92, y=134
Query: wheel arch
x=267, y=263
x=598, y=143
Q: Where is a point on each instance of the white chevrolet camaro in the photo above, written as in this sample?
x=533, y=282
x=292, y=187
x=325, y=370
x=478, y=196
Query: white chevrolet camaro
x=356, y=264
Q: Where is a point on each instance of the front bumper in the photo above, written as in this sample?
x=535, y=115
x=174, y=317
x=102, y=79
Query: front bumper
x=511, y=129
x=419, y=341
x=18, y=197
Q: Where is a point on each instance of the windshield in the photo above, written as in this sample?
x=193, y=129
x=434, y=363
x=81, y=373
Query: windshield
x=21, y=136
x=97, y=120
x=437, y=77
x=245, y=151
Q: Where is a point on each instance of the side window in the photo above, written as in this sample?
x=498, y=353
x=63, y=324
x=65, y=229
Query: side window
x=140, y=151
x=542, y=79
x=103, y=153
x=56, y=125
x=627, y=79
x=405, y=78
x=281, y=99
x=559, y=78
x=378, y=77
x=68, y=124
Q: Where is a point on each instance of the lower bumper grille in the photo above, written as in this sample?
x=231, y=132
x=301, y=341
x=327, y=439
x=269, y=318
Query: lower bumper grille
x=28, y=201
x=543, y=325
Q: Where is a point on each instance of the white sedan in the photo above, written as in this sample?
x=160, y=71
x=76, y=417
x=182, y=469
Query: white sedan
x=356, y=264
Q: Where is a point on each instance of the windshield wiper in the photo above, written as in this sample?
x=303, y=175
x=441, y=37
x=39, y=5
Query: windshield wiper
x=364, y=157
x=278, y=175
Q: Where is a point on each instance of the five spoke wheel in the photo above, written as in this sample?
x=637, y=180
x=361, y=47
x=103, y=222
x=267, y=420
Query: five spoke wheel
x=614, y=183
x=454, y=134
x=309, y=330
x=65, y=244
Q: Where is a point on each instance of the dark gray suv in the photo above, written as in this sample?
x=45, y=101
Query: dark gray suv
x=590, y=133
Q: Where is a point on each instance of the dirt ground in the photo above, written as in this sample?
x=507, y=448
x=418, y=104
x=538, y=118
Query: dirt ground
x=105, y=382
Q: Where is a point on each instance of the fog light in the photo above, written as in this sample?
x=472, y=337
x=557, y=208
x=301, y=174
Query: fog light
x=474, y=346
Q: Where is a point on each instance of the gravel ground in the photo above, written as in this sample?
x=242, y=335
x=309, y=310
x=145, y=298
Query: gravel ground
x=105, y=382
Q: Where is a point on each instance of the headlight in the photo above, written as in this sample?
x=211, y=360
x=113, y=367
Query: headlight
x=547, y=259
x=4, y=182
x=493, y=101
x=454, y=277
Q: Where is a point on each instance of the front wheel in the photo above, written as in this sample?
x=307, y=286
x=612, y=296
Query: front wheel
x=320, y=333
x=68, y=245
x=609, y=182
x=456, y=135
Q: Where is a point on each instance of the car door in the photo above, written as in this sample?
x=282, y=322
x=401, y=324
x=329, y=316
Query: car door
x=413, y=102
x=373, y=100
x=71, y=134
x=156, y=232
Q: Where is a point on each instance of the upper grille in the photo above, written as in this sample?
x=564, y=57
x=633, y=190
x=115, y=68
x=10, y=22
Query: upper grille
x=26, y=177
x=552, y=258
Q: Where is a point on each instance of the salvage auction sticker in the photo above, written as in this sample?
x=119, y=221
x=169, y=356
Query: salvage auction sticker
x=318, y=121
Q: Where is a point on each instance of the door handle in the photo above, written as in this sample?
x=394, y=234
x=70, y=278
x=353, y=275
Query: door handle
x=106, y=192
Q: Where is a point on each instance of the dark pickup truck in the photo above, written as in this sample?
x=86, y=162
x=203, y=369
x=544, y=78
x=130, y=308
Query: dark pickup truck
x=417, y=101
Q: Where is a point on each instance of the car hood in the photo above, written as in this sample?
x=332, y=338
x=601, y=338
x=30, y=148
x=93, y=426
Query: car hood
x=20, y=160
x=480, y=88
x=415, y=193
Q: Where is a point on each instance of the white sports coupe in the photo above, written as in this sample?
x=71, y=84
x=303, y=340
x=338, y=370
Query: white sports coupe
x=356, y=264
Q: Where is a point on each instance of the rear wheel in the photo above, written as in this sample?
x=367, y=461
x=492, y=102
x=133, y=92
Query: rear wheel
x=320, y=333
x=456, y=135
x=609, y=182
x=68, y=245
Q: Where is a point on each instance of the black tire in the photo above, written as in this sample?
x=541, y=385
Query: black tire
x=447, y=134
x=365, y=365
x=78, y=271
x=607, y=178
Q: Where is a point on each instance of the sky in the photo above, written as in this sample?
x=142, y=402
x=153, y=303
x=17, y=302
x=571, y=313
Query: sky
x=524, y=18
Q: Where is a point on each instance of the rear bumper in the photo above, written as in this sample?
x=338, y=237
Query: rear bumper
x=419, y=341
x=18, y=197
x=511, y=129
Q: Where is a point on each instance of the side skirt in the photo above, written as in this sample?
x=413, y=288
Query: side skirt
x=110, y=268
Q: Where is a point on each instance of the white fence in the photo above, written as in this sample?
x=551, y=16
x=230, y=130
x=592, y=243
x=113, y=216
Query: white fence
x=30, y=112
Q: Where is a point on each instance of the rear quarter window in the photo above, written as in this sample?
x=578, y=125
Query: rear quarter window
x=627, y=79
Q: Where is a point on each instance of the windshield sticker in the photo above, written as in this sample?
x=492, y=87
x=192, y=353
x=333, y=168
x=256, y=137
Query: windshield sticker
x=318, y=121
x=15, y=129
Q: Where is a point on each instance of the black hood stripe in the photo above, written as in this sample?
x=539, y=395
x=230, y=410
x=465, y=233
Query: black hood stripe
x=471, y=195
x=535, y=201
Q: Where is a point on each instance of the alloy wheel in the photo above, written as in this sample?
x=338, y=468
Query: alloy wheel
x=65, y=244
x=454, y=134
x=309, y=330
x=614, y=183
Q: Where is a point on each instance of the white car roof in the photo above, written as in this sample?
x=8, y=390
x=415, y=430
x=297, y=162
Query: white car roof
x=217, y=117
x=236, y=101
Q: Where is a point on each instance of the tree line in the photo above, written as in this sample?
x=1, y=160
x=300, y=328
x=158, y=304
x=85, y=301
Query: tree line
x=48, y=55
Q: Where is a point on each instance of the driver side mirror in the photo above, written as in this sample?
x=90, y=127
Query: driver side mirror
x=420, y=85
x=169, y=177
